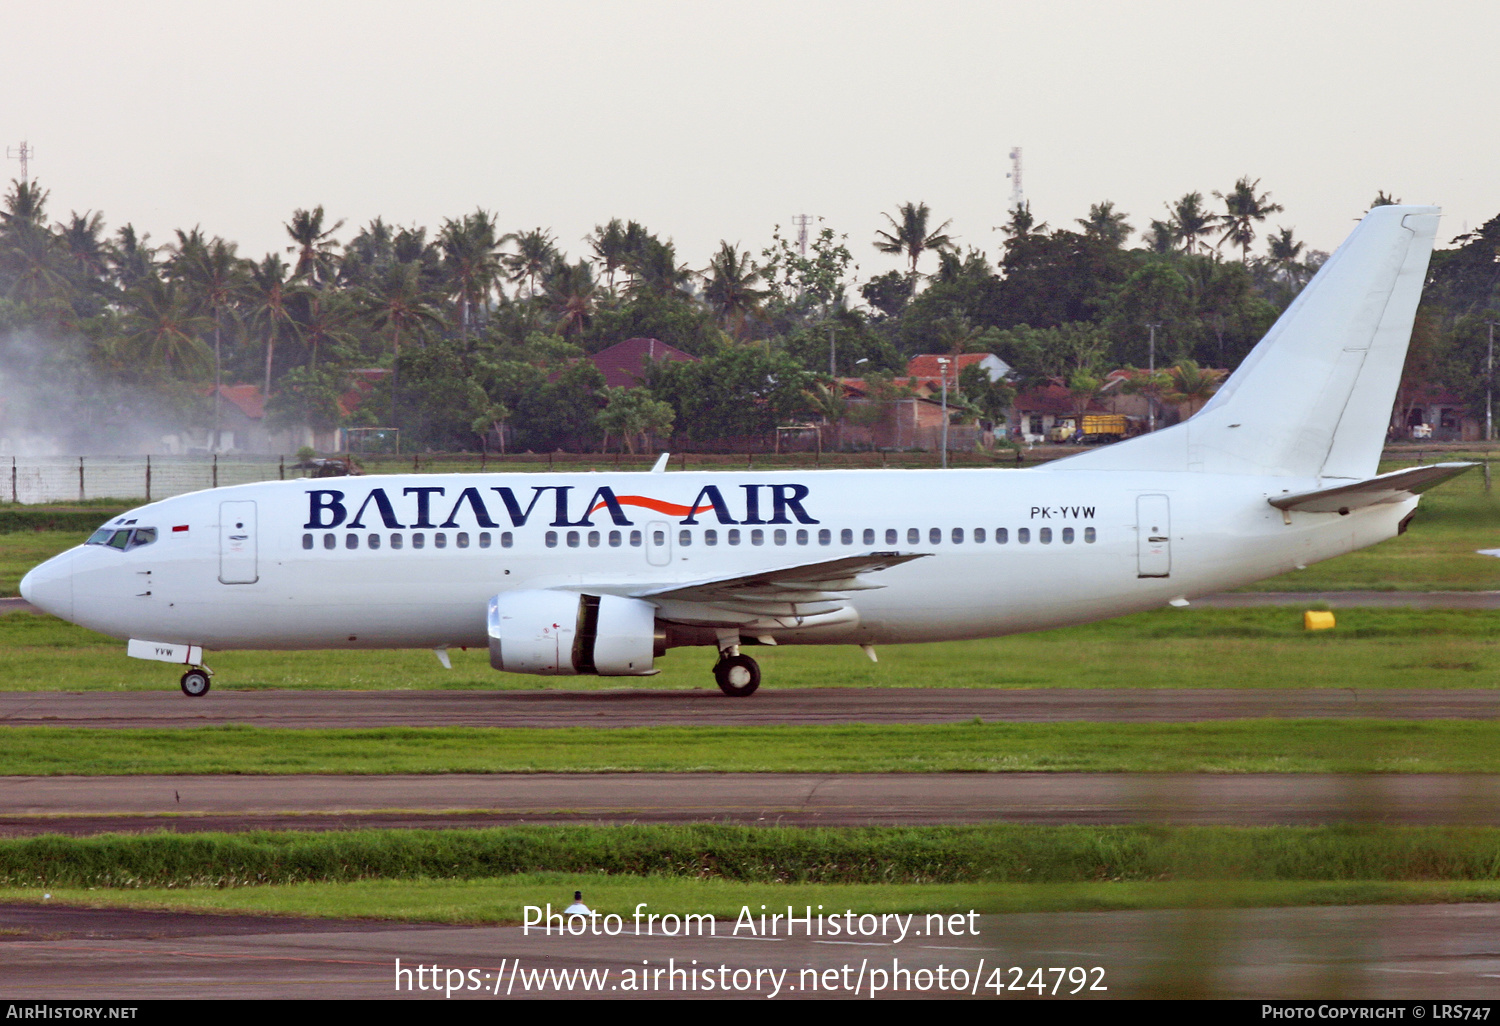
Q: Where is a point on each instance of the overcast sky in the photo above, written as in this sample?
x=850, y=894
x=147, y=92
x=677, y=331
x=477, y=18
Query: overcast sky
x=708, y=121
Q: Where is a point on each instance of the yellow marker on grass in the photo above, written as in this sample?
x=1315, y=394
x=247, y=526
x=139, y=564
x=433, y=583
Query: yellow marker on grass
x=1315, y=621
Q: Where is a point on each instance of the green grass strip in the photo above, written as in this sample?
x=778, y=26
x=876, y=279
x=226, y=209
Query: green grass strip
x=1169, y=648
x=502, y=900
x=1230, y=746
x=991, y=853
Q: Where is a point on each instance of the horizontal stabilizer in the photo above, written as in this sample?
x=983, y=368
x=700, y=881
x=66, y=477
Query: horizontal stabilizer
x=1397, y=486
x=801, y=583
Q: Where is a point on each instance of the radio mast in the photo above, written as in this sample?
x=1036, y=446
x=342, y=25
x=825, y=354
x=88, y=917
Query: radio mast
x=1017, y=194
x=23, y=153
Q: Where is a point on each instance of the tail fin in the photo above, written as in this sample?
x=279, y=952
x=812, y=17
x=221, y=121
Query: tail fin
x=1314, y=397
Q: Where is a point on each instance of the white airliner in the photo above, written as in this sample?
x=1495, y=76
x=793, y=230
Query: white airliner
x=601, y=573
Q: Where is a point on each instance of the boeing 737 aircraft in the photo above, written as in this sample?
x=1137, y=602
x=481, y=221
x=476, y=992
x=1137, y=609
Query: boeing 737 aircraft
x=601, y=573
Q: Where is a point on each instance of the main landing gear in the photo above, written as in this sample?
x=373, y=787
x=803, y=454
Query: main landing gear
x=737, y=675
x=196, y=682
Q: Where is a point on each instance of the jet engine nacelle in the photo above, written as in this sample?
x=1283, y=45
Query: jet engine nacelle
x=563, y=633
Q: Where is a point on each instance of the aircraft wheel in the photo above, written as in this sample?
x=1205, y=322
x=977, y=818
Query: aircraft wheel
x=195, y=683
x=737, y=675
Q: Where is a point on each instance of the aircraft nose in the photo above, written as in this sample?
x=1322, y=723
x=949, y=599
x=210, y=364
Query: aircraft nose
x=49, y=587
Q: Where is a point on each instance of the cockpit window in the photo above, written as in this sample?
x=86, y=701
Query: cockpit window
x=124, y=538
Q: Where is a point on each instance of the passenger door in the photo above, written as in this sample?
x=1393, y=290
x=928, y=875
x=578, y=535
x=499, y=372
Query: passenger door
x=237, y=543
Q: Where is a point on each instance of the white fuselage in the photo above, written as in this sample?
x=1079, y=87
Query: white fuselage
x=1010, y=551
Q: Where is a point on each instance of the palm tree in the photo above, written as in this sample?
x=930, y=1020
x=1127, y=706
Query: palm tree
x=80, y=237
x=1242, y=209
x=536, y=252
x=215, y=277
x=471, y=263
x=570, y=290
x=130, y=259
x=163, y=331
x=30, y=254
x=1190, y=221
x=317, y=256
x=325, y=318
x=1105, y=225
x=611, y=246
x=654, y=268
x=1192, y=385
x=729, y=287
x=1284, y=253
x=400, y=302
x=269, y=294
x=911, y=237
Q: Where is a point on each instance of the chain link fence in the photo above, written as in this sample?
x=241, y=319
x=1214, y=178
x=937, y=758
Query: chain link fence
x=43, y=479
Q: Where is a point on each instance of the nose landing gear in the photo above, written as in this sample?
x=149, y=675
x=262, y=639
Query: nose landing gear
x=196, y=682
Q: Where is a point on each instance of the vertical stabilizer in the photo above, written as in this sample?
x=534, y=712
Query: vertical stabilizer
x=1314, y=397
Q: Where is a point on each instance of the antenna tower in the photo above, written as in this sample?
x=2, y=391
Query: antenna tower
x=23, y=153
x=802, y=221
x=1017, y=194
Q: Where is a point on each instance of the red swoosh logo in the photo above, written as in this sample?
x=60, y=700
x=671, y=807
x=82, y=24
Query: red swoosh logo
x=669, y=508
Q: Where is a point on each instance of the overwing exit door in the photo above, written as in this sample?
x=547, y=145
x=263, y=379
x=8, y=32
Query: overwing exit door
x=237, y=543
x=1153, y=526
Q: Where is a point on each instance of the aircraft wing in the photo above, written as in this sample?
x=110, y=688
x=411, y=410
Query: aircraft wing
x=800, y=595
x=1396, y=486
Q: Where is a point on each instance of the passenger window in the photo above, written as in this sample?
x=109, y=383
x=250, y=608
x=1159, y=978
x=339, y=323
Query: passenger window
x=593, y=539
x=801, y=536
x=710, y=537
x=1088, y=535
x=979, y=534
x=825, y=536
x=684, y=537
x=890, y=536
x=573, y=539
x=1001, y=536
x=1044, y=536
x=461, y=539
x=373, y=541
x=734, y=536
x=351, y=541
x=635, y=539
x=330, y=542
x=396, y=541
x=958, y=536
x=614, y=539
x=1023, y=535
x=418, y=539
x=757, y=537
x=778, y=536
x=484, y=539
x=869, y=536
x=551, y=539
x=1067, y=536
x=846, y=537
x=440, y=540
x=913, y=536
x=507, y=540
x=658, y=538
x=934, y=535
x=307, y=541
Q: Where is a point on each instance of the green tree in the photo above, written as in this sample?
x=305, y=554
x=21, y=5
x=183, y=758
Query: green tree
x=635, y=415
x=1243, y=210
x=317, y=252
x=401, y=304
x=471, y=264
x=910, y=237
x=1190, y=221
x=729, y=288
x=536, y=252
x=1105, y=225
x=269, y=298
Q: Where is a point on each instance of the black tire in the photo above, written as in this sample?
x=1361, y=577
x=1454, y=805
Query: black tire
x=195, y=683
x=737, y=676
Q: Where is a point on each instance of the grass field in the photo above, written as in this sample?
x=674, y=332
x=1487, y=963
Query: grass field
x=488, y=875
x=1230, y=746
x=1169, y=648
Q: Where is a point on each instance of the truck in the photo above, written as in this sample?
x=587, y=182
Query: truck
x=1105, y=427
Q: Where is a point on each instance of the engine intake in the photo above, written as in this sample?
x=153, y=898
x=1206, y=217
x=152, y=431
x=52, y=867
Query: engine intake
x=564, y=633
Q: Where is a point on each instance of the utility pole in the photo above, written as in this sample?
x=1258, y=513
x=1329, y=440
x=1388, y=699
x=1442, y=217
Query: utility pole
x=832, y=369
x=1489, y=388
x=23, y=153
x=943, y=370
x=1017, y=195
x=802, y=221
x=1151, y=369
